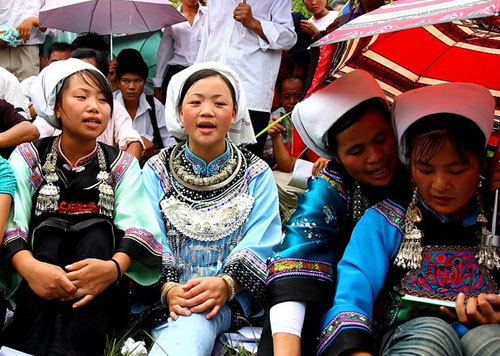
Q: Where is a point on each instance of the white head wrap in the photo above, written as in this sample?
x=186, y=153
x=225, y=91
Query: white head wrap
x=240, y=133
x=47, y=84
x=314, y=116
x=468, y=100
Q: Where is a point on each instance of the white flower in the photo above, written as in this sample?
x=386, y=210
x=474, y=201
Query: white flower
x=134, y=348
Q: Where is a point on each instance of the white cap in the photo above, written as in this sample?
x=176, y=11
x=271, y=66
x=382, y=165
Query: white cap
x=241, y=132
x=468, y=100
x=314, y=116
x=44, y=90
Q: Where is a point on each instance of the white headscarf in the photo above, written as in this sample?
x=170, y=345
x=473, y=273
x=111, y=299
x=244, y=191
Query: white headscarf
x=241, y=132
x=48, y=83
x=468, y=100
x=314, y=116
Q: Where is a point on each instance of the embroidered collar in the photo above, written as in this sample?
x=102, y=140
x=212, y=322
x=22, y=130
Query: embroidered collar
x=469, y=220
x=80, y=162
x=200, y=167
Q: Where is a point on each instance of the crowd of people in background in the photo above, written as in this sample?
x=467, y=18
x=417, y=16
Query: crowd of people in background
x=165, y=197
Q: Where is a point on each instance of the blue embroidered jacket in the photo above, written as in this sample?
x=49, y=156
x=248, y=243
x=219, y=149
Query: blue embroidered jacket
x=369, y=290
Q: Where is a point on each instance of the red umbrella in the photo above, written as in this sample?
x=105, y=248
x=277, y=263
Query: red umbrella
x=465, y=50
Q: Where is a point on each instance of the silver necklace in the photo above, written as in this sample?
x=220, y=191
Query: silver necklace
x=48, y=197
x=196, y=182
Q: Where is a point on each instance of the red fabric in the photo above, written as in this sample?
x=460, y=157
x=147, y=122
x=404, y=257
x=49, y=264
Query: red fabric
x=299, y=147
x=416, y=57
x=77, y=208
x=320, y=74
x=322, y=68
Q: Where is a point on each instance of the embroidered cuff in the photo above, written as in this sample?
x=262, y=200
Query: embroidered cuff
x=345, y=322
x=14, y=241
x=248, y=280
x=297, y=267
x=169, y=271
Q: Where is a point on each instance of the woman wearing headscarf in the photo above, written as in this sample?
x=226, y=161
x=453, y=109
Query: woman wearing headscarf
x=217, y=205
x=348, y=122
x=407, y=260
x=75, y=228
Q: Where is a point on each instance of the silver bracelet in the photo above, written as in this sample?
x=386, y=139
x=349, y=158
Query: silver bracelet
x=164, y=293
x=230, y=283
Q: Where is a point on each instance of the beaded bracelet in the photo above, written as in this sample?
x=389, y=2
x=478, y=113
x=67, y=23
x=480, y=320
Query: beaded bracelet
x=118, y=269
x=230, y=283
x=168, y=287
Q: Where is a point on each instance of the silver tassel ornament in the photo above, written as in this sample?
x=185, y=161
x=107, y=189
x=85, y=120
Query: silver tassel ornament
x=48, y=199
x=487, y=254
x=48, y=196
x=410, y=251
x=106, y=201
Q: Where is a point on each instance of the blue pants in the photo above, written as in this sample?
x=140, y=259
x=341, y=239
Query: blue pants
x=190, y=335
x=431, y=336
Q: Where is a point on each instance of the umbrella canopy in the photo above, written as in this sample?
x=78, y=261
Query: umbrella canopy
x=109, y=16
x=405, y=14
x=466, y=50
x=147, y=43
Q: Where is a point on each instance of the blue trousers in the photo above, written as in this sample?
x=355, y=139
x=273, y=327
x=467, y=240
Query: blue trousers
x=431, y=336
x=190, y=335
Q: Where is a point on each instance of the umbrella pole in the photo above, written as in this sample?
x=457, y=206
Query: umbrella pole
x=494, y=217
x=111, y=45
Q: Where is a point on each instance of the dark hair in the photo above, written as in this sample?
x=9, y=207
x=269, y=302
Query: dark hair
x=432, y=131
x=100, y=59
x=131, y=61
x=352, y=116
x=96, y=80
x=201, y=74
x=281, y=80
x=59, y=46
x=92, y=40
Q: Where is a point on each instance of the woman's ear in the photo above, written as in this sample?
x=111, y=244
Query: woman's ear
x=181, y=116
x=57, y=111
x=233, y=118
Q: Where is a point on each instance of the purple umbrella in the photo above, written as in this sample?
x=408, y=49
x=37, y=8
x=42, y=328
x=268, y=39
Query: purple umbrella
x=109, y=16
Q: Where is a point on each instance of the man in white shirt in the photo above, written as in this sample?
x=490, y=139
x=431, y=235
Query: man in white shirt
x=179, y=45
x=249, y=37
x=23, y=61
x=12, y=92
x=147, y=113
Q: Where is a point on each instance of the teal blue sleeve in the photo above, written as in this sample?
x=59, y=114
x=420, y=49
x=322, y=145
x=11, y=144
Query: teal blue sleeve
x=361, y=276
x=7, y=178
x=247, y=261
x=142, y=236
x=314, y=238
x=155, y=180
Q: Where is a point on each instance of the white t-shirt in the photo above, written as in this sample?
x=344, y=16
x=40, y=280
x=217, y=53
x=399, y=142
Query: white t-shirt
x=255, y=60
x=179, y=45
x=142, y=121
x=325, y=21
